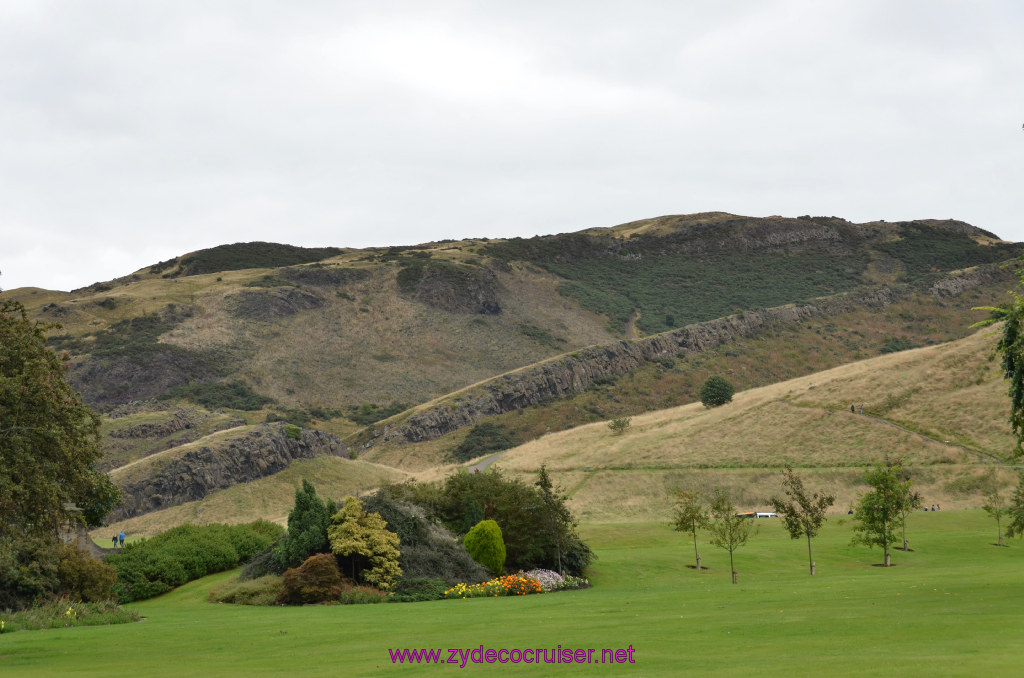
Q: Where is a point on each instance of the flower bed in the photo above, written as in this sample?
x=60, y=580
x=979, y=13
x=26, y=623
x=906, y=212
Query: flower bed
x=509, y=585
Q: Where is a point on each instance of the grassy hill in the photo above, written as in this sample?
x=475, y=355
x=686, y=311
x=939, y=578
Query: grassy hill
x=365, y=344
x=942, y=408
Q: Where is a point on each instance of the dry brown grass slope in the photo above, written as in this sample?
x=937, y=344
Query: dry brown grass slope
x=942, y=408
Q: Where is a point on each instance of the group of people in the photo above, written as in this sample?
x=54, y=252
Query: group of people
x=118, y=539
x=935, y=507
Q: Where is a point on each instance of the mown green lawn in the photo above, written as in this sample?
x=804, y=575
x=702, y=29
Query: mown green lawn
x=952, y=607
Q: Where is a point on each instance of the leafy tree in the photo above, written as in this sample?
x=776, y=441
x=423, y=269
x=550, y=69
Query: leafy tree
x=716, y=391
x=369, y=547
x=307, y=527
x=1011, y=346
x=803, y=513
x=728, y=530
x=49, y=438
x=879, y=511
x=559, y=518
x=486, y=546
x=1016, y=510
x=49, y=449
x=691, y=515
x=995, y=503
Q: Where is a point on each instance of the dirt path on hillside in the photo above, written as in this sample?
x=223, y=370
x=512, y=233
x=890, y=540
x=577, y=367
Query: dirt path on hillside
x=631, y=325
x=171, y=449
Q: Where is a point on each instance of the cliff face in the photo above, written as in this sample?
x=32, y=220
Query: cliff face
x=575, y=372
x=200, y=472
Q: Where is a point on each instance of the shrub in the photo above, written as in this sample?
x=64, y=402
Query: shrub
x=293, y=432
x=83, y=578
x=427, y=550
x=263, y=590
x=485, y=545
x=317, y=580
x=716, y=391
x=153, y=566
x=619, y=425
x=417, y=590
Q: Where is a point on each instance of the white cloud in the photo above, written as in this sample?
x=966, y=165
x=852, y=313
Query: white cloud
x=137, y=131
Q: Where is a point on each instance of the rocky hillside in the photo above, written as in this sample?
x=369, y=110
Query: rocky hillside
x=191, y=472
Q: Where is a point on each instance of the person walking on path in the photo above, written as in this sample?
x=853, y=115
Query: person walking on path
x=121, y=538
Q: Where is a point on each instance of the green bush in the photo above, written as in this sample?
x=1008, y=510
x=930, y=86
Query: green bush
x=149, y=567
x=485, y=545
x=716, y=391
x=317, y=580
x=419, y=590
x=293, y=432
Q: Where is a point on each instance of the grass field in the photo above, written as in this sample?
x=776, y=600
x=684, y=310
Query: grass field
x=951, y=607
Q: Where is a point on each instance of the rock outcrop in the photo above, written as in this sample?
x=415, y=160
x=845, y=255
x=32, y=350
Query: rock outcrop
x=199, y=472
x=573, y=373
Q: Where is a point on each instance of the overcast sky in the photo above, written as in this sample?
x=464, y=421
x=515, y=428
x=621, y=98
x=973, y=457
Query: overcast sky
x=132, y=132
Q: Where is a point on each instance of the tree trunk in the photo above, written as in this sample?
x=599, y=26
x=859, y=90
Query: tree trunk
x=887, y=561
x=698, y=560
x=809, y=559
x=733, y=568
x=695, y=553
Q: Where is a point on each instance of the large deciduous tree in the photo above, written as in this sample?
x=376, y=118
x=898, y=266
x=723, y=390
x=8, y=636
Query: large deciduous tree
x=802, y=513
x=49, y=448
x=1011, y=347
x=49, y=438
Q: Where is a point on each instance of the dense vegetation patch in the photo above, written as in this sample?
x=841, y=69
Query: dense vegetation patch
x=924, y=250
x=235, y=395
x=153, y=566
x=240, y=256
x=484, y=438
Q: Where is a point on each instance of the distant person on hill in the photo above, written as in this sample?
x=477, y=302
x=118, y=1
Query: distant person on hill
x=113, y=540
x=121, y=538
x=852, y=411
x=862, y=408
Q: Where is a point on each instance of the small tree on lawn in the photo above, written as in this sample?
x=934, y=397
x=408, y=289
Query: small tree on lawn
x=485, y=545
x=364, y=540
x=803, y=513
x=716, y=391
x=880, y=510
x=728, y=530
x=691, y=515
x=995, y=503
